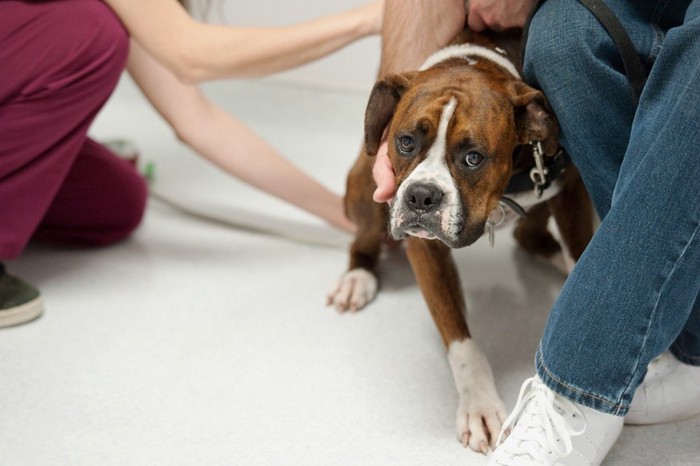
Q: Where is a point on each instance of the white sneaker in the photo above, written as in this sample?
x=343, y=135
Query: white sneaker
x=548, y=429
x=670, y=392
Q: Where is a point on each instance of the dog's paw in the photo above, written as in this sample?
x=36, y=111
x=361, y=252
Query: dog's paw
x=354, y=290
x=480, y=413
x=479, y=421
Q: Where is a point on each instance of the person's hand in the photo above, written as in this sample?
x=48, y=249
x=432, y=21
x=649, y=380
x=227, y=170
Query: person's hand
x=383, y=174
x=498, y=14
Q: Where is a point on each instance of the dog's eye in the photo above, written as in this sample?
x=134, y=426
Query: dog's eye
x=405, y=144
x=472, y=159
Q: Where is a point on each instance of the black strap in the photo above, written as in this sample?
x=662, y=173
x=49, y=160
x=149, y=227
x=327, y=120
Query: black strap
x=634, y=69
x=630, y=59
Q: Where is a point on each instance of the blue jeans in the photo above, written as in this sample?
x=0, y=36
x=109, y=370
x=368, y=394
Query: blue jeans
x=634, y=292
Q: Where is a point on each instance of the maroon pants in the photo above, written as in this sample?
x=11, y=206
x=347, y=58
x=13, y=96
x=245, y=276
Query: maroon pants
x=59, y=62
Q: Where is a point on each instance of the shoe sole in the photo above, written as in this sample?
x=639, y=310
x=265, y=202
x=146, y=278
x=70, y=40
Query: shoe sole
x=21, y=314
x=665, y=417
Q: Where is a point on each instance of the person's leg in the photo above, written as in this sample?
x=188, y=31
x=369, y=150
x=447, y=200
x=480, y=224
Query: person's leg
x=686, y=348
x=671, y=387
x=632, y=291
x=571, y=57
x=100, y=202
x=66, y=57
x=63, y=61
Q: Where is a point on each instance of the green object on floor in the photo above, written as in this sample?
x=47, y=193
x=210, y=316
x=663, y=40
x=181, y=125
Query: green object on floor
x=149, y=171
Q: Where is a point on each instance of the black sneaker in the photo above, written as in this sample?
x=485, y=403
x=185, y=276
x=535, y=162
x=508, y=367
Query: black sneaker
x=20, y=302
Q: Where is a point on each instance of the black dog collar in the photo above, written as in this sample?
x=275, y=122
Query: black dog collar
x=540, y=177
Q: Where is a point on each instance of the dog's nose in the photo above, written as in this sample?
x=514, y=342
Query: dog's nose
x=423, y=197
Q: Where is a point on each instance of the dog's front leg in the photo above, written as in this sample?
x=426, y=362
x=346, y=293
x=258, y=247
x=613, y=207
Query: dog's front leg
x=358, y=285
x=480, y=412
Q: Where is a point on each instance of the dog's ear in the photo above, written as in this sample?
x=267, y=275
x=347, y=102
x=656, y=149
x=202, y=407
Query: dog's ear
x=534, y=119
x=381, y=106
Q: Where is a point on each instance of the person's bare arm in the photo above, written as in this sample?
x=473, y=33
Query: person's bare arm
x=228, y=143
x=413, y=29
x=197, y=51
x=498, y=14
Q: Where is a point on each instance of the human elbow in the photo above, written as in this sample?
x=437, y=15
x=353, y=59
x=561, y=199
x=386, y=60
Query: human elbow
x=193, y=71
x=189, y=69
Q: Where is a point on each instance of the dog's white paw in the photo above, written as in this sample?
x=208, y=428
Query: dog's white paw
x=354, y=290
x=481, y=412
x=479, y=420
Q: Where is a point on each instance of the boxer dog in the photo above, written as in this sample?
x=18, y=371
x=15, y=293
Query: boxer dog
x=470, y=144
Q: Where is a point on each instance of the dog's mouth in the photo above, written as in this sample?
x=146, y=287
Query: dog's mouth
x=460, y=234
x=428, y=228
x=420, y=231
x=428, y=211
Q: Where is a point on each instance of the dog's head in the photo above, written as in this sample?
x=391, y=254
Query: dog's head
x=452, y=131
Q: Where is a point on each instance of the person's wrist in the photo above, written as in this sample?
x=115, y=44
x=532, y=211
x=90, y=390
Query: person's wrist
x=369, y=21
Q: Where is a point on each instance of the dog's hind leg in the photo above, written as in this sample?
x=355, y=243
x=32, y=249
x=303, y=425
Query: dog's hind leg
x=480, y=412
x=358, y=286
x=532, y=234
x=573, y=212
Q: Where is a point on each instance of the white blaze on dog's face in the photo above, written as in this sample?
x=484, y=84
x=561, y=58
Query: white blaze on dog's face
x=431, y=186
x=451, y=142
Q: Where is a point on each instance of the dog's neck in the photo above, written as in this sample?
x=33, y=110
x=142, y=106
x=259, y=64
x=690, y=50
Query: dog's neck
x=472, y=53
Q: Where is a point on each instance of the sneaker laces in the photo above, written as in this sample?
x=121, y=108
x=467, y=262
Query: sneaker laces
x=535, y=414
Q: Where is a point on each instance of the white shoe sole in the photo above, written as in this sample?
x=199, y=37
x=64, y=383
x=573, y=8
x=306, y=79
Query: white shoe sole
x=21, y=314
x=670, y=392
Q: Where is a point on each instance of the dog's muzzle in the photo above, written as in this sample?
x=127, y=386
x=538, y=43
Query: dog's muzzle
x=423, y=211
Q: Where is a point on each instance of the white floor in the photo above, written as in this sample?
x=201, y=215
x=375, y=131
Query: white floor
x=196, y=343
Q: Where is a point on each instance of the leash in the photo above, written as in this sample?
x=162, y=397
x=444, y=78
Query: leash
x=630, y=59
x=634, y=68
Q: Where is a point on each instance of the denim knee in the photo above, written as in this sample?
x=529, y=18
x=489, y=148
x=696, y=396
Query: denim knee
x=571, y=57
x=563, y=42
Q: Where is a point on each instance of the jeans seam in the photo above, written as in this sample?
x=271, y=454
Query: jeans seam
x=541, y=364
x=656, y=307
x=659, y=37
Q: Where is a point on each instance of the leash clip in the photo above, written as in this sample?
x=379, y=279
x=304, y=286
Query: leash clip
x=539, y=172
